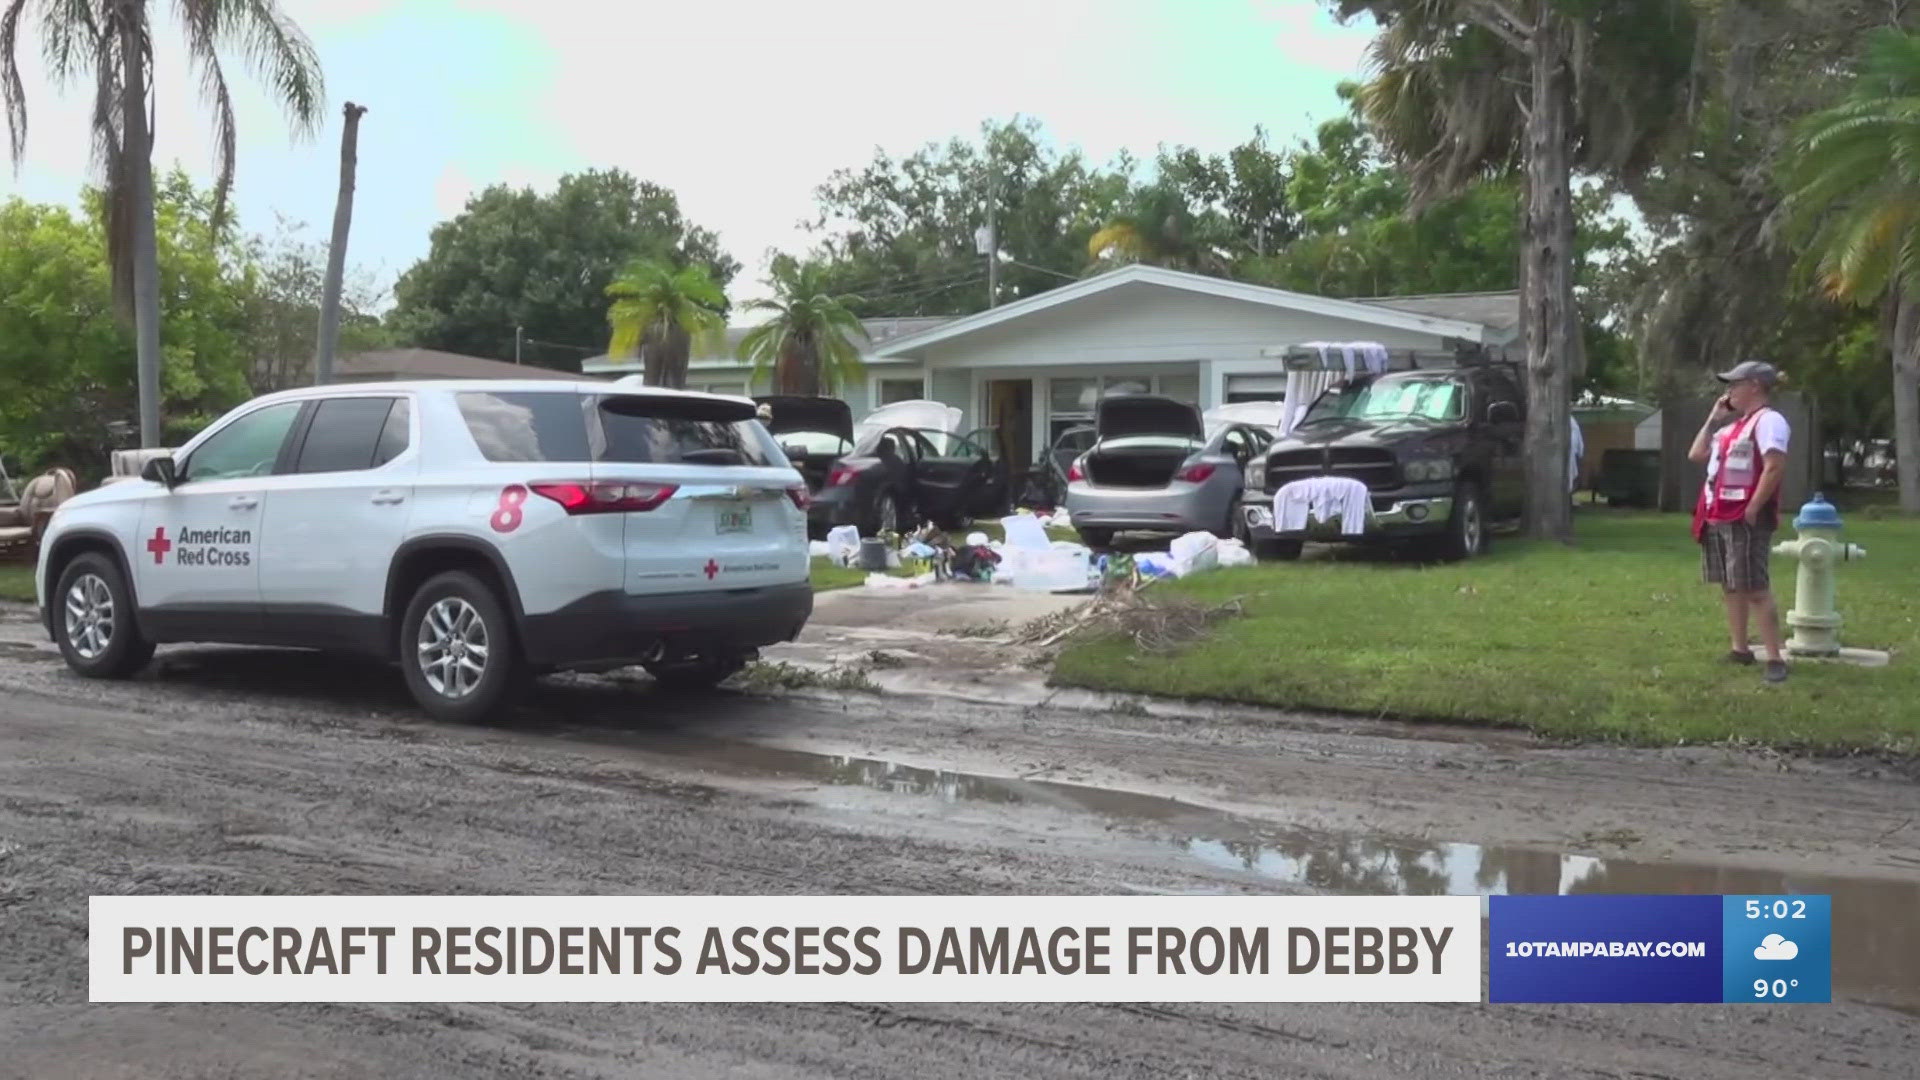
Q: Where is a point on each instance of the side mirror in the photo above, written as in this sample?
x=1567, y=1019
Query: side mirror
x=1503, y=412
x=160, y=471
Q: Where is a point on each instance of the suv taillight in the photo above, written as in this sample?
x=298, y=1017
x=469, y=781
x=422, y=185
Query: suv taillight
x=603, y=496
x=1075, y=473
x=801, y=497
x=1195, y=474
x=841, y=475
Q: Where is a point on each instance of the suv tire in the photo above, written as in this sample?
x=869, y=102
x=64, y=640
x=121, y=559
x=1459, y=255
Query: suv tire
x=1466, y=535
x=94, y=622
x=451, y=618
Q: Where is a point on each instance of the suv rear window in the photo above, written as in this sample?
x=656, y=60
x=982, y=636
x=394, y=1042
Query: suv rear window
x=630, y=428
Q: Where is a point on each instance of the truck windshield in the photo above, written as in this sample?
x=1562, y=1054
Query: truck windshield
x=1392, y=397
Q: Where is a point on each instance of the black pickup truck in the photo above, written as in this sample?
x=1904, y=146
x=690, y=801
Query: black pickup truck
x=1438, y=450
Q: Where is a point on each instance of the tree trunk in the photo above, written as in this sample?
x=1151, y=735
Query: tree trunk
x=1548, y=300
x=136, y=148
x=1906, y=402
x=337, y=248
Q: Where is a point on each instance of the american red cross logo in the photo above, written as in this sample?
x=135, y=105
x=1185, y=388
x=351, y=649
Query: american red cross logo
x=712, y=568
x=159, y=545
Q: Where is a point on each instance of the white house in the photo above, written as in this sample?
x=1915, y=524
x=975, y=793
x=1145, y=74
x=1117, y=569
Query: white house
x=1035, y=367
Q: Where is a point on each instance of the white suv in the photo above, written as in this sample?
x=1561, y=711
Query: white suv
x=475, y=531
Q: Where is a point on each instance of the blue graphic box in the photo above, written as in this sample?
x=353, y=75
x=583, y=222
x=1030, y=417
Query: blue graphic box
x=1538, y=948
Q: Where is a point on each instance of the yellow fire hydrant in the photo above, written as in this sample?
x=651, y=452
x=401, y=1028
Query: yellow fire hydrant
x=1815, y=622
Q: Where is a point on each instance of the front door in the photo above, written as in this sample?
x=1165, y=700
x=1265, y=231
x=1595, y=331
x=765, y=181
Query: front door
x=333, y=525
x=1010, y=409
x=197, y=569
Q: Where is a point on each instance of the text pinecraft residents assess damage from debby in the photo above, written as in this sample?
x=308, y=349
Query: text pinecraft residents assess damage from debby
x=779, y=950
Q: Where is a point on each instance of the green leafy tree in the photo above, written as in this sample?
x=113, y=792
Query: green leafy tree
x=661, y=314
x=522, y=264
x=901, y=233
x=1201, y=213
x=1469, y=89
x=66, y=360
x=1855, y=179
x=110, y=44
x=808, y=342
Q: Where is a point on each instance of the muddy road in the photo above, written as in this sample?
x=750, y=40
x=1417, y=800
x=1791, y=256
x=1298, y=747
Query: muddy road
x=244, y=771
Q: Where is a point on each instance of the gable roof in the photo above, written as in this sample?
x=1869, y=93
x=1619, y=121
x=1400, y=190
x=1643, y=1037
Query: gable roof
x=1498, y=311
x=386, y=364
x=1376, y=314
x=878, y=331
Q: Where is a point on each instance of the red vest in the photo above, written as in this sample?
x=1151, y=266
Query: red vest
x=1726, y=496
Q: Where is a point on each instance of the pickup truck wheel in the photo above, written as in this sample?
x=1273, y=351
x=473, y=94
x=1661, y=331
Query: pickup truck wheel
x=457, y=651
x=93, y=620
x=1276, y=550
x=698, y=674
x=1466, y=535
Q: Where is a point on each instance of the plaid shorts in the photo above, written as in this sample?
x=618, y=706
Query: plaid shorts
x=1734, y=556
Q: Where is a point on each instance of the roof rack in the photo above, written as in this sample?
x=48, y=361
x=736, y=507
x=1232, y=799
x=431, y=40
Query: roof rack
x=1455, y=352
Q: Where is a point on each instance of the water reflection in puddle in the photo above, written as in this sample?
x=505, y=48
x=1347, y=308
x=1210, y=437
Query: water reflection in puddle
x=1876, y=938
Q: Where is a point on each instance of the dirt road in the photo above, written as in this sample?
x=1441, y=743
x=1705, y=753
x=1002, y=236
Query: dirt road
x=234, y=771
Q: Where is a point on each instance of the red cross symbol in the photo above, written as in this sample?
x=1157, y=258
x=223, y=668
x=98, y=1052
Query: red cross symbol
x=159, y=545
x=712, y=568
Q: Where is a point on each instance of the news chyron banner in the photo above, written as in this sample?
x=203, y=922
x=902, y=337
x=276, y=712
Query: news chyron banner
x=785, y=948
x=1723, y=949
x=1595, y=948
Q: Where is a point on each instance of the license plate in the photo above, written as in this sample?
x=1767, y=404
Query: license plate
x=737, y=518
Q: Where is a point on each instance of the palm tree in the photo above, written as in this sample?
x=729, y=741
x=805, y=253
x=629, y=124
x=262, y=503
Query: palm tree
x=1854, y=187
x=111, y=42
x=662, y=314
x=1160, y=229
x=808, y=340
x=1468, y=89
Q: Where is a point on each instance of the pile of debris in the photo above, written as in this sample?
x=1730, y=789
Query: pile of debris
x=1155, y=624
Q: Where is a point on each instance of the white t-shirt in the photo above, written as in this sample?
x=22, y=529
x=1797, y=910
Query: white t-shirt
x=1769, y=430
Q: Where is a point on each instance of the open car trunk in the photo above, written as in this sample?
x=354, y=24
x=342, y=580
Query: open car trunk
x=1143, y=440
x=1138, y=462
x=814, y=432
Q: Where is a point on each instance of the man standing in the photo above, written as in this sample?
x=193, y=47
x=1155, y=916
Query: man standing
x=1739, y=507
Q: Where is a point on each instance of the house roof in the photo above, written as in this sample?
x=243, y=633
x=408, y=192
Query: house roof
x=392, y=364
x=878, y=331
x=1378, y=314
x=1498, y=311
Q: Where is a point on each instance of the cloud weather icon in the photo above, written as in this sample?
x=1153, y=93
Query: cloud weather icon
x=1775, y=947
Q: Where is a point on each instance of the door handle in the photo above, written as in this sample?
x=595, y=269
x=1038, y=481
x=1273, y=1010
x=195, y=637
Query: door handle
x=243, y=502
x=388, y=498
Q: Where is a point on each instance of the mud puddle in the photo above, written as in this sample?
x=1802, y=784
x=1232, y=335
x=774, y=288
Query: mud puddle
x=1876, y=931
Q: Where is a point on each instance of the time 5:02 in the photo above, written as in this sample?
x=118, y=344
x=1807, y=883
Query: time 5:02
x=1779, y=909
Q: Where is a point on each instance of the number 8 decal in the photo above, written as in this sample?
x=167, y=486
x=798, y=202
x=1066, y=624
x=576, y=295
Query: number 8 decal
x=507, y=517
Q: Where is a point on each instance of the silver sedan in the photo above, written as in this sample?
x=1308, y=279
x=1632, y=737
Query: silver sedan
x=1156, y=467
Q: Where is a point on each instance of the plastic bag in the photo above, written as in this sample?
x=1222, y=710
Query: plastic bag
x=1234, y=553
x=1195, y=553
x=843, y=543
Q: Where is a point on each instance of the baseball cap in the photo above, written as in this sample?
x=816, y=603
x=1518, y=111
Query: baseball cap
x=1758, y=370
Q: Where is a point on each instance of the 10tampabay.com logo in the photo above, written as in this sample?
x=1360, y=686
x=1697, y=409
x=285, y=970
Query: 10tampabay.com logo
x=1660, y=948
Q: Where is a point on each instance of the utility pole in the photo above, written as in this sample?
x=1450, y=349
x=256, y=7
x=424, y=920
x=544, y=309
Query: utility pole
x=519, y=335
x=337, y=249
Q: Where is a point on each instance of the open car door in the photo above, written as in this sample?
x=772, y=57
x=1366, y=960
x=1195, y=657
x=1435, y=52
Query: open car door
x=953, y=477
x=989, y=489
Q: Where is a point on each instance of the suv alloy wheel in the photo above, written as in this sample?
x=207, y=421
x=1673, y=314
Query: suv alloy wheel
x=457, y=650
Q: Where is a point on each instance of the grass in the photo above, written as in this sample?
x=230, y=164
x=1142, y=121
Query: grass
x=16, y=583
x=1614, y=638
x=828, y=577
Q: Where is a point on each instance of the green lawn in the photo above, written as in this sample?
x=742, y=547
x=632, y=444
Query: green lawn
x=828, y=577
x=1614, y=638
x=16, y=583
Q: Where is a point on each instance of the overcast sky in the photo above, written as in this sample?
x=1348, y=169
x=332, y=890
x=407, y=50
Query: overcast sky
x=739, y=106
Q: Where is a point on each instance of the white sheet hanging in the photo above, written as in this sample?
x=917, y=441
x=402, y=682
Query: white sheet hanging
x=1325, y=499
